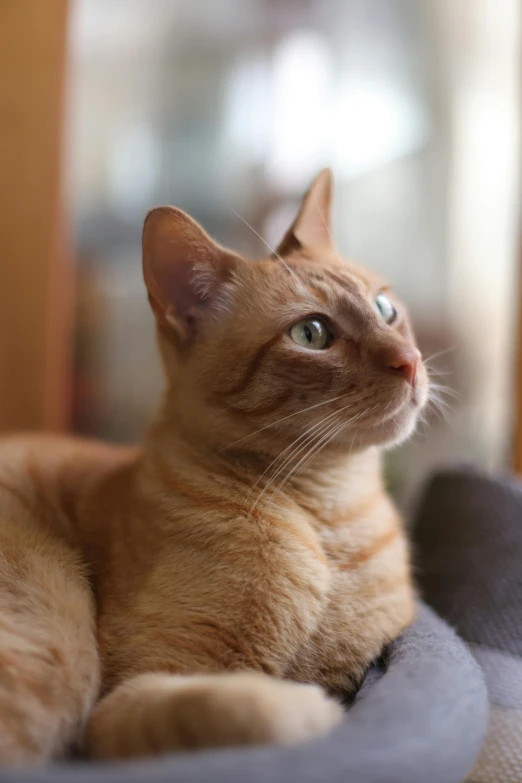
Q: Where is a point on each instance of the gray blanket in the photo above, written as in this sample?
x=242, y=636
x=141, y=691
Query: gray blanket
x=421, y=715
x=421, y=719
x=469, y=537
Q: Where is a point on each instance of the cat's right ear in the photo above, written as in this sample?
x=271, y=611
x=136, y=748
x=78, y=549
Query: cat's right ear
x=183, y=268
x=312, y=227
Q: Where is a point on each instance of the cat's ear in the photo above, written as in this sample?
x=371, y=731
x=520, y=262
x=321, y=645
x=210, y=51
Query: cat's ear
x=183, y=268
x=312, y=226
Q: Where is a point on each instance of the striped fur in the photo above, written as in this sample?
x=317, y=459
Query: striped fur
x=226, y=581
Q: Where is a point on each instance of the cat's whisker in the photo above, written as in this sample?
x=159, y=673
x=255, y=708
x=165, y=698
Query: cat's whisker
x=297, y=448
x=368, y=410
x=293, y=446
x=434, y=395
x=440, y=408
x=284, y=418
x=436, y=411
x=441, y=405
x=438, y=354
x=276, y=254
x=435, y=371
x=442, y=415
x=388, y=406
x=317, y=447
x=443, y=389
x=422, y=425
x=321, y=438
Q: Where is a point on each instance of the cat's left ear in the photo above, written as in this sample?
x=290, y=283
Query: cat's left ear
x=312, y=226
x=184, y=269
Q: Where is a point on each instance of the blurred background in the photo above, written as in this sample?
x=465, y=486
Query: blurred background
x=109, y=107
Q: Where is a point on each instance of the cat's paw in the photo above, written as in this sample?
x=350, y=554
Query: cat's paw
x=158, y=713
x=254, y=709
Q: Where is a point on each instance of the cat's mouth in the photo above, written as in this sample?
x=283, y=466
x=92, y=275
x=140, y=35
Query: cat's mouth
x=392, y=424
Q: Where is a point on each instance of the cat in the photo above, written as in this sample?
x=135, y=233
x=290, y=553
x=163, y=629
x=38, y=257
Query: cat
x=229, y=580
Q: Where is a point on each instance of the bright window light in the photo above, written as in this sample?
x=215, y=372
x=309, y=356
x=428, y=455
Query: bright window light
x=247, y=107
x=300, y=128
x=373, y=124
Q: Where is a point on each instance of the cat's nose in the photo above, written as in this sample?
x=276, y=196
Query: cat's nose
x=404, y=361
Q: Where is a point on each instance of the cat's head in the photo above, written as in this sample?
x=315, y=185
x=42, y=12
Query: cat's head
x=301, y=344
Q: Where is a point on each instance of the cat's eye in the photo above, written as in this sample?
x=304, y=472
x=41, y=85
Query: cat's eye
x=311, y=333
x=385, y=307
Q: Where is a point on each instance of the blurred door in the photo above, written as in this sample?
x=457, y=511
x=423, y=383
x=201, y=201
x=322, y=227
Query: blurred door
x=35, y=293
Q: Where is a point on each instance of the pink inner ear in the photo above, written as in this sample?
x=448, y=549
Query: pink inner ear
x=182, y=265
x=173, y=271
x=311, y=228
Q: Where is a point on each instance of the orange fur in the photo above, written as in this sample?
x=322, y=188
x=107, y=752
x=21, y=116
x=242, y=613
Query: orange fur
x=181, y=587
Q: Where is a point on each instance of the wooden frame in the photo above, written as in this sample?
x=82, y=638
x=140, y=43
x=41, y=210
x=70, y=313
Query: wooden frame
x=35, y=290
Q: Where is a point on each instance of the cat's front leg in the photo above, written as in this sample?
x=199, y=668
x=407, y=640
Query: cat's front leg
x=161, y=713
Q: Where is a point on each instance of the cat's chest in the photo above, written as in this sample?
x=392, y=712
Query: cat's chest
x=370, y=600
x=251, y=591
x=257, y=592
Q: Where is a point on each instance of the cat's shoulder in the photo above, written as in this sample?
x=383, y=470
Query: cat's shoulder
x=48, y=447
x=51, y=477
x=54, y=460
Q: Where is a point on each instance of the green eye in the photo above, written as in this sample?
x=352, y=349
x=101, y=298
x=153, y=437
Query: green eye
x=385, y=308
x=311, y=333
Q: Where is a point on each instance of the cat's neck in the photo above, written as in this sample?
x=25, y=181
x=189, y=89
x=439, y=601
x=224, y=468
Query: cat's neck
x=332, y=485
x=334, y=488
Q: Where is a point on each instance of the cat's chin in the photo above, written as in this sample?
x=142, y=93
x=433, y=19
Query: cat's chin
x=391, y=431
x=395, y=433
x=395, y=429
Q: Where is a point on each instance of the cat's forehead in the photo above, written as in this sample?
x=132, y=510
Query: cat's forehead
x=344, y=276
x=325, y=280
x=281, y=290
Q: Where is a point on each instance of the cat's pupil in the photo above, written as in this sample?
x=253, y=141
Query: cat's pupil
x=310, y=333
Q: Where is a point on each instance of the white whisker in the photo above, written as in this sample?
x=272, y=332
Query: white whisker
x=323, y=436
x=438, y=354
x=443, y=389
x=317, y=447
x=300, y=282
x=278, y=421
x=310, y=432
x=441, y=408
x=433, y=371
x=309, y=435
x=297, y=449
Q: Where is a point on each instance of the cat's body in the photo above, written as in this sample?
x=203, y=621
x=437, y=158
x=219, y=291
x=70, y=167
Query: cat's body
x=192, y=555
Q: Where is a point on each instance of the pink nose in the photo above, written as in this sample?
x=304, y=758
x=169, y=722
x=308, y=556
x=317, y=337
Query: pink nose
x=404, y=361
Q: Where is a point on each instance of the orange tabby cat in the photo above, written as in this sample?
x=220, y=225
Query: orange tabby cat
x=225, y=582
